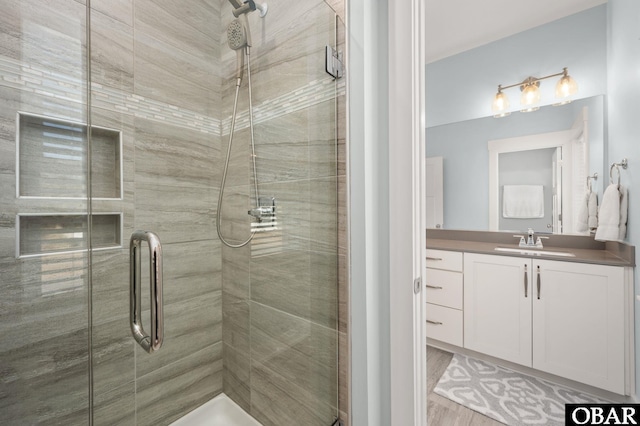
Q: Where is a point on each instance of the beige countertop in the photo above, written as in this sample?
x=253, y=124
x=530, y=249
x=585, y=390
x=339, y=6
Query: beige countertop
x=585, y=249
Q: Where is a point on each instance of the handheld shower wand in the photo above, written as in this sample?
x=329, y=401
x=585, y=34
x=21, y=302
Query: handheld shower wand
x=239, y=39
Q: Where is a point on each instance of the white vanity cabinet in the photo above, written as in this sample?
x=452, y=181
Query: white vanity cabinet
x=497, y=302
x=444, y=287
x=564, y=318
x=579, y=323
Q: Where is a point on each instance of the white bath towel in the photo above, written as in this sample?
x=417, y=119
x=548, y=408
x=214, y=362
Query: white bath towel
x=588, y=213
x=593, y=211
x=582, y=223
x=522, y=201
x=612, y=218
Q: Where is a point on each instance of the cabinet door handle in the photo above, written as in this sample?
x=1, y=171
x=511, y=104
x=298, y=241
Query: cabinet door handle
x=538, y=282
x=434, y=258
x=526, y=281
x=433, y=286
x=434, y=322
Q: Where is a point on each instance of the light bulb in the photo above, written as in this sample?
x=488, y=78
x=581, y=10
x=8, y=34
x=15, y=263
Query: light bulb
x=566, y=86
x=500, y=104
x=530, y=97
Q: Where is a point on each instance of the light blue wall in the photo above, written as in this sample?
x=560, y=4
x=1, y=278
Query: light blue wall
x=624, y=118
x=463, y=146
x=462, y=86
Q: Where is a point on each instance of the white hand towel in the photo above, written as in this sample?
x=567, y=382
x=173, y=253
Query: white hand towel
x=582, y=224
x=593, y=210
x=522, y=201
x=624, y=206
x=609, y=216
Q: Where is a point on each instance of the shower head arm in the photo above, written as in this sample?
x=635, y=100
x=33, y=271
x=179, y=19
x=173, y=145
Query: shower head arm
x=247, y=7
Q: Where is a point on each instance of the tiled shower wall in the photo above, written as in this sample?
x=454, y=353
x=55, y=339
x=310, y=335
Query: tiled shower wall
x=280, y=294
x=156, y=78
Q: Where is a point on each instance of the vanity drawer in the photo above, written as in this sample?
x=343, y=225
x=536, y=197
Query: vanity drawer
x=442, y=259
x=444, y=324
x=444, y=288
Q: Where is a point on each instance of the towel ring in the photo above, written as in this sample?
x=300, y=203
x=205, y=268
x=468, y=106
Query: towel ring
x=622, y=164
x=614, y=165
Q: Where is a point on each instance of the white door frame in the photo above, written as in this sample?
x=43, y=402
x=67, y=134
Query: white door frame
x=407, y=158
x=386, y=157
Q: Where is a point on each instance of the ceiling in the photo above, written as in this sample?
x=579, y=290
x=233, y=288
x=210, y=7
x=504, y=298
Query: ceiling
x=454, y=26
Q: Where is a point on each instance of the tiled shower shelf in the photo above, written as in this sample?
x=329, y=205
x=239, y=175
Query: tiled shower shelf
x=47, y=234
x=51, y=160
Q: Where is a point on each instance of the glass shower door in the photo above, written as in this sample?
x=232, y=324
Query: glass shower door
x=44, y=263
x=155, y=79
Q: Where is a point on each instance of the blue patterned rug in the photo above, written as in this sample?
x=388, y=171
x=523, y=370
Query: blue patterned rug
x=512, y=398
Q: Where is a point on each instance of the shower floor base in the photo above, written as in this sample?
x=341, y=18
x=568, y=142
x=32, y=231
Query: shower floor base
x=221, y=410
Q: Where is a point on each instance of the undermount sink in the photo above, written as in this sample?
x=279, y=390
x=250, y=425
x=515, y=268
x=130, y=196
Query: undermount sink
x=535, y=252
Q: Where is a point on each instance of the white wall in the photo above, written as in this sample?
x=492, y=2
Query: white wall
x=368, y=211
x=624, y=117
x=462, y=86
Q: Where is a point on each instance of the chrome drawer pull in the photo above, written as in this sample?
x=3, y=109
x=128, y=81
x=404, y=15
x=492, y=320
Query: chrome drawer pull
x=526, y=281
x=150, y=342
x=434, y=258
x=434, y=322
x=433, y=286
x=538, y=282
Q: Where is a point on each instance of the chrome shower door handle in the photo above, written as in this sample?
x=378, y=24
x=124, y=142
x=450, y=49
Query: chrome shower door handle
x=150, y=342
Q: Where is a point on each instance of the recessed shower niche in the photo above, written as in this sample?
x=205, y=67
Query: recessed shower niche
x=52, y=159
x=40, y=235
x=52, y=165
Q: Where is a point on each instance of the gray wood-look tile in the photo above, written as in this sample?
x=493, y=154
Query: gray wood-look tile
x=282, y=281
x=176, y=213
x=189, y=326
x=191, y=269
x=45, y=33
x=276, y=400
x=175, y=61
x=173, y=155
x=236, y=323
x=113, y=356
x=323, y=290
x=46, y=382
x=42, y=298
x=116, y=407
x=300, y=351
x=111, y=50
x=323, y=212
x=236, y=272
x=176, y=388
x=122, y=10
x=237, y=376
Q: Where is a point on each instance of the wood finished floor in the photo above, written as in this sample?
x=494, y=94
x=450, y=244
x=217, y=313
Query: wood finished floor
x=440, y=410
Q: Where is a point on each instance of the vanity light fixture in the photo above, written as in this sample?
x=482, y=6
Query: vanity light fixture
x=530, y=98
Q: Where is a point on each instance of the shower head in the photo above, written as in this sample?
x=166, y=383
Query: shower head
x=239, y=39
x=238, y=34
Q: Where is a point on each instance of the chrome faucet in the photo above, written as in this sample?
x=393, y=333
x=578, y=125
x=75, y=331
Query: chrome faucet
x=530, y=242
